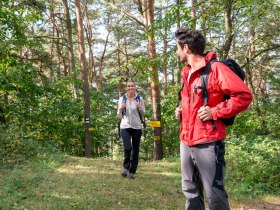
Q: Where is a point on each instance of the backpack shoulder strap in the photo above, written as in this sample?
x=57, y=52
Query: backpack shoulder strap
x=124, y=98
x=204, y=83
x=137, y=98
x=179, y=94
x=204, y=80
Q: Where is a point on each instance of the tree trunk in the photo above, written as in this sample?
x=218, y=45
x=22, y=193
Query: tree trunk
x=164, y=52
x=119, y=67
x=149, y=10
x=89, y=36
x=72, y=69
x=52, y=64
x=254, y=76
x=56, y=36
x=84, y=72
x=164, y=62
x=102, y=60
x=203, y=17
x=126, y=58
x=179, y=66
x=229, y=28
x=193, y=13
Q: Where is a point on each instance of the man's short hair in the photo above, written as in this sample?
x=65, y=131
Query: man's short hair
x=191, y=37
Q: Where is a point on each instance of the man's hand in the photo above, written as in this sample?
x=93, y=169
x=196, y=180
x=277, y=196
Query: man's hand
x=178, y=113
x=204, y=113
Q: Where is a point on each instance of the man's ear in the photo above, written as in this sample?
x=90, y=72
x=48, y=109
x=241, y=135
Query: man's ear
x=187, y=49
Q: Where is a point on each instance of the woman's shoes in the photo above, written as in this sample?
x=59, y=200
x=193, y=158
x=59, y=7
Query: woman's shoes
x=131, y=176
x=125, y=172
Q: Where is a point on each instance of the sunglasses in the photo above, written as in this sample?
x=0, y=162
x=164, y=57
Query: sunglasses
x=130, y=86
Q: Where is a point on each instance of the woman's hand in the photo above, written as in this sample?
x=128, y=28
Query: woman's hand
x=178, y=113
x=122, y=106
x=138, y=105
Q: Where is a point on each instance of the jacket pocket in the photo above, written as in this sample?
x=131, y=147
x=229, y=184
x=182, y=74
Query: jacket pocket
x=200, y=129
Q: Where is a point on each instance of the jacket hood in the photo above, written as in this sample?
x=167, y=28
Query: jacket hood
x=209, y=56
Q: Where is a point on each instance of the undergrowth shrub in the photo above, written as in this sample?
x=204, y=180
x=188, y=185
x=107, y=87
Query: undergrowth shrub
x=16, y=147
x=253, y=164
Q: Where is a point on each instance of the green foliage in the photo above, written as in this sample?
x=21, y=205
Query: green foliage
x=59, y=118
x=147, y=141
x=15, y=17
x=171, y=126
x=253, y=163
x=49, y=114
x=14, y=147
x=104, y=121
x=45, y=112
x=249, y=122
x=244, y=123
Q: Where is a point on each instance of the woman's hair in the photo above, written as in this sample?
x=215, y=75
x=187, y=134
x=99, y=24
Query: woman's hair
x=191, y=37
x=130, y=80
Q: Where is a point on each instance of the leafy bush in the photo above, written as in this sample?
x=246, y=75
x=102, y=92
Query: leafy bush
x=253, y=163
x=171, y=127
x=14, y=148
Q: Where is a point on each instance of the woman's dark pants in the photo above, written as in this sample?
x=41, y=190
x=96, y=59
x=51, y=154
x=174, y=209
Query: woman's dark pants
x=131, y=141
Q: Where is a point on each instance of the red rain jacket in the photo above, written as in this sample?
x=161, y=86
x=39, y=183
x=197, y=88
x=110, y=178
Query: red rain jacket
x=221, y=81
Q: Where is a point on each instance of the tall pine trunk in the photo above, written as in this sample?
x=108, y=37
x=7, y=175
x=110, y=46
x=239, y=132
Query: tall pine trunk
x=84, y=72
x=158, y=151
x=146, y=8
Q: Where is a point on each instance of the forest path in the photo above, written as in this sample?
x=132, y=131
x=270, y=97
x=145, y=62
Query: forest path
x=82, y=183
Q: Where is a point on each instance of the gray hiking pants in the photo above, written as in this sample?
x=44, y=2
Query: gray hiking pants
x=203, y=169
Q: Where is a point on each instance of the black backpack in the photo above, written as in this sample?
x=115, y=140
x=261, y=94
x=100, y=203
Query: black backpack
x=204, y=82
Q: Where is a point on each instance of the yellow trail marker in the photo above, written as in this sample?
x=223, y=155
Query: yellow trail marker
x=156, y=138
x=155, y=124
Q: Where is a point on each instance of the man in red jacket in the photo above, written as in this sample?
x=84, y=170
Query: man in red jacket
x=202, y=145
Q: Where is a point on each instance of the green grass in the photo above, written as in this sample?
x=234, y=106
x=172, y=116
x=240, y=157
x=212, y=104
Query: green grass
x=81, y=183
x=62, y=182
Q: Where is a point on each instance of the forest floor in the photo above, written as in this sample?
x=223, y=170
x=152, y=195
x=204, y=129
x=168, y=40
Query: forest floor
x=81, y=183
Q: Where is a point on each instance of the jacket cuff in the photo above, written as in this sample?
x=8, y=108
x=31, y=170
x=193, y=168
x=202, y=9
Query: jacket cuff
x=214, y=113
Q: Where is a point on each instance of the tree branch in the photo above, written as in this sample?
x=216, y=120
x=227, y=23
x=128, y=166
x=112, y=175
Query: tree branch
x=131, y=17
x=273, y=47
